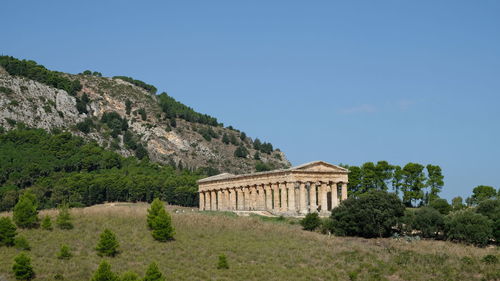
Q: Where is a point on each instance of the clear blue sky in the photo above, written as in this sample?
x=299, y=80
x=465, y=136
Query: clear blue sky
x=340, y=81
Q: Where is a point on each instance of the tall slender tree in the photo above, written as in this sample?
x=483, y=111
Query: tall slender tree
x=413, y=183
x=434, y=182
x=25, y=211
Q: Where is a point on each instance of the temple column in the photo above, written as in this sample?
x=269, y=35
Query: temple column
x=221, y=195
x=324, y=198
x=253, y=197
x=232, y=198
x=202, y=201
x=208, y=201
x=276, y=190
x=269, y=198
x=260, y=198
x=213, y=200
x=239, y=195
x=344, y=191
x=302, y=198
x=291, y=197
x=284, y=205
x=313, y=207
x=335, y=197
x=247, y=198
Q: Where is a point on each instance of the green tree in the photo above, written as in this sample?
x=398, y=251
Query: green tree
x=104, y=273
x=22, y=243
x=482, y=192
x=46, y=223
x=64, y=220
x=434, y=181
x=222, y=263
x=64, y=253
x=156, y=206
x=412, y=183
x=25, y=211
x=384, y=173
x=225, y=139
x=428, y=221
x=108, y=244
x=22, y=267
x=397, y=180
x=354, y=187
x=241, y=152
x=441, y=205
x=311, y=222
x=153, y=273
x=372, y=214
x=469, y=227
x=491, y=209
x=457, y=203
x=128, y=106
x=7, y=232
x=162, y=227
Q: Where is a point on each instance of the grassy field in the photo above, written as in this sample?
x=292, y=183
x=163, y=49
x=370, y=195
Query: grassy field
x=257, y=249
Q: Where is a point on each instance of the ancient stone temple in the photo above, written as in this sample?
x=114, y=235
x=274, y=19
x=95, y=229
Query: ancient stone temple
x=312, y=187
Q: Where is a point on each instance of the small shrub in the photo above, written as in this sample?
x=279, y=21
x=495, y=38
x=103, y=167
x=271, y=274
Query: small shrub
x=22, y=267
x=428, y=221
x=153, y=273
x=25, y=211
x=441, y=205
x=21, y=243
x=64, y=219
x=222, y=264
x=311, y=222
x=47, y=223
x=156, y=206
x=467, y=260
x=490, y=259
x=108, y=244
x=104, y=273
x=7, y=232
x=162, y=227
x=64, y=253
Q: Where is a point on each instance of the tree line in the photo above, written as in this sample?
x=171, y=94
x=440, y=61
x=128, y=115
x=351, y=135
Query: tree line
x=60, y=167
x=174, y=109
x=150, y=88
x=415, y=183
x=31, y=70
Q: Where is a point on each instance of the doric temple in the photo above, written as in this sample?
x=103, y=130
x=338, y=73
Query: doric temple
x=312, y=187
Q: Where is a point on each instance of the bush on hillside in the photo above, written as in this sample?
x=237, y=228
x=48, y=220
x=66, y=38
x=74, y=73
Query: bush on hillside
x=25, y=211
x=129, y=276
x=46, y=223
x=222, y=263
x=162, y=227
x=64, y=220
x=428, y=221
x=156, y=206
x=104, y=273
x=64, y=253
x=311, y=222
x=372, y=214
x=153, y=273
x=22, y=267
x=108, y=244
x=7, y=232
x=22, y=243
x=469, y=227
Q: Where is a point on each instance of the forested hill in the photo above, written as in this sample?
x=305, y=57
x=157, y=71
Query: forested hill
x=126, y=115
x=61, y=168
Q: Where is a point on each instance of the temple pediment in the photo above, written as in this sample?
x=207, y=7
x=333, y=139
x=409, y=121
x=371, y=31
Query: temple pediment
x=318, y=166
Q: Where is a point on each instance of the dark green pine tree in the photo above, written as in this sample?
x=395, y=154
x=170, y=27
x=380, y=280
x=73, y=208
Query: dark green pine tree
x=46, y=223
x=108, y=244
x=7, y=232
x=22, y=267
x=153, y=273
x=64, y=219
x=156, y=206
x=222, y=264
x=25, y=211
x=104, y=273
x=162, y=227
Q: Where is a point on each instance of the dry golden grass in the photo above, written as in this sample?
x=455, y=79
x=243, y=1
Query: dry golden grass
x=256, y=250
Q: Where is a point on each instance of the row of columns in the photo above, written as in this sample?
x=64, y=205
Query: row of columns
x=281, y=197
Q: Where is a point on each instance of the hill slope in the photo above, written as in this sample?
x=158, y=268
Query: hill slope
x=127, y=116
x=256, y=250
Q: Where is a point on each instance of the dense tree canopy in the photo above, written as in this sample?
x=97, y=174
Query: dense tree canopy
x=31, y=70
x=150, y=88
x=175, y=109
x=61, y=168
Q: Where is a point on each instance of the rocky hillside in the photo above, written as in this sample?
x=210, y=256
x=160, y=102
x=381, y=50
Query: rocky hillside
x=127, y=116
